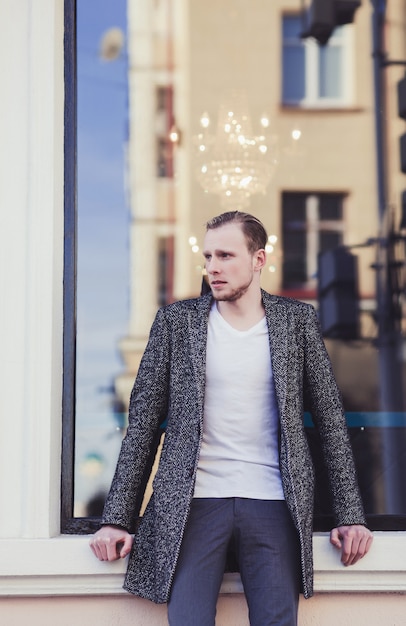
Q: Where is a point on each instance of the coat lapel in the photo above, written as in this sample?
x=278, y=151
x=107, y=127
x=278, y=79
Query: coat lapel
x=197, y=328
x=276, y=316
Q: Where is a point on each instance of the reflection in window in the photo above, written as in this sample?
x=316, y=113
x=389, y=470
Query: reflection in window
x=378, y=440
x=164, y=122
x=165, y=269
x=102, y=263
x=311, y=223
x=159, y=227
x=313, y=74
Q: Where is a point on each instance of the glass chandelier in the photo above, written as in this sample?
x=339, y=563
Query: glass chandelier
x=234, y=163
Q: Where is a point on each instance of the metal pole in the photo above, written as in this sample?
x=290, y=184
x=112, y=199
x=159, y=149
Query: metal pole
x=388, y=336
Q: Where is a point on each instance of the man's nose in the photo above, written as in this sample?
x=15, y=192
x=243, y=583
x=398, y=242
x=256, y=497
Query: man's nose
x=211, y=266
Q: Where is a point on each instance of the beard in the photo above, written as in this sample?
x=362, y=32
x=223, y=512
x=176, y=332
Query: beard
x=233, y=295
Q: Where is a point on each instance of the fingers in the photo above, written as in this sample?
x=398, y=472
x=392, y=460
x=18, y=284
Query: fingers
x=110, y=543
x=126, y=546
x=360, y=550
x=104, y=548
x=354, y=541
x=335, y=538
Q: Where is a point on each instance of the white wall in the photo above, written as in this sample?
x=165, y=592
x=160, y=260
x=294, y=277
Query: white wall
x=44, y=576
x=31, y=245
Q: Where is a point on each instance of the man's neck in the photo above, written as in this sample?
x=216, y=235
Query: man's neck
x=244, y=313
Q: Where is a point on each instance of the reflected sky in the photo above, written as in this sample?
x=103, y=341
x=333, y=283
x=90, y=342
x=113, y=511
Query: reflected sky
x=103, y=253
x=103, y=215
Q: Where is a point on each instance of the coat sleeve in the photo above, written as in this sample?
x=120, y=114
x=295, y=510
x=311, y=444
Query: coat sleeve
x=324, y=400
x=147, y=410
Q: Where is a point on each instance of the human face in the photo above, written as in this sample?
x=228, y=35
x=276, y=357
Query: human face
x=231, y=269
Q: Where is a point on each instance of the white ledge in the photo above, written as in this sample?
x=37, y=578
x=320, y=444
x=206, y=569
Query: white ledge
x=65, y=565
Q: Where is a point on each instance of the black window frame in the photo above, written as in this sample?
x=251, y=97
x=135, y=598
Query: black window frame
x=70, y=524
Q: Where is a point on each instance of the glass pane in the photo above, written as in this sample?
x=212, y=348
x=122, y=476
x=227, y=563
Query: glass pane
x=338, y=34
x=329, y=239
x=331, y=206
x=330, y=72
x=294, y=259
x=294, y=209
x=293, y=75
x=144, y=197
x=292, y=27
x=102, y=274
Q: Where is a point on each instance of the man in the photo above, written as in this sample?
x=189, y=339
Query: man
x=231, y=372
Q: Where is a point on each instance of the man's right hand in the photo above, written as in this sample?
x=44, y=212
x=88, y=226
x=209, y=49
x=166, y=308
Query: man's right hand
x=111, y=543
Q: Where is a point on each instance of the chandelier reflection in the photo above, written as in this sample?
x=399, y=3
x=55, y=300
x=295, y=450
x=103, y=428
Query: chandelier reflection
x=234, y=163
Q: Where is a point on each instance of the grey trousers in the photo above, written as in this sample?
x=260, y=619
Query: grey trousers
x=267, y=550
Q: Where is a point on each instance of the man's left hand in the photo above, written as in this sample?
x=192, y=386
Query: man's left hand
x=353, y=541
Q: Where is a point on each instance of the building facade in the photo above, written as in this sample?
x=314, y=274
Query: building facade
x=191, y=59
x=47, y=577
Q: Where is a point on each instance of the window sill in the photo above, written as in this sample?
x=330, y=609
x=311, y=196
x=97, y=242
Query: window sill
x=65, y=566
x=320, y=108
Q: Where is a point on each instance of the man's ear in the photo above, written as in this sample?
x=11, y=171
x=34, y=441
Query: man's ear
x=259, y=259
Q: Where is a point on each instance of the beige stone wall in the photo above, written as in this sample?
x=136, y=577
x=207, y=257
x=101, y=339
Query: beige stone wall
x=321, y=610
x=238, y=44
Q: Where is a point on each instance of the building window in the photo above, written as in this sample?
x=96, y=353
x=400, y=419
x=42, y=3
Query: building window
x=164, y=122
x=165, y=270
x=314, y=75
x=311, y=223
x=96, y=264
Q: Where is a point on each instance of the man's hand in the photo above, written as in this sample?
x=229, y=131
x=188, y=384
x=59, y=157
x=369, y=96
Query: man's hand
x=111, y=543
x=353, y=541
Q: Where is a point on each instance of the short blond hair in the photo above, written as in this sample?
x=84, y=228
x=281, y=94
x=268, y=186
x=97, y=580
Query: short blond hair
x=254, y=231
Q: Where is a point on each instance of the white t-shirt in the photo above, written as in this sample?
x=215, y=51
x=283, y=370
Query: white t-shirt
x=239, y=455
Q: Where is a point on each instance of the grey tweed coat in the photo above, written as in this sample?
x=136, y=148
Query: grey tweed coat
x=171, y=385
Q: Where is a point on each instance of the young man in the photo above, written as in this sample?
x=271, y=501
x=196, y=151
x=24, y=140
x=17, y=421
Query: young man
x=231, y=372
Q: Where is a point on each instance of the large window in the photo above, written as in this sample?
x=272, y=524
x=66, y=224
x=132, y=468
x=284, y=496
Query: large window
x=311, y=223
x=313, y=75
x=134, y=233
x=96, y=267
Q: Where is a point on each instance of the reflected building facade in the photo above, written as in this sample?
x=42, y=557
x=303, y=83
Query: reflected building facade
x=185, y=58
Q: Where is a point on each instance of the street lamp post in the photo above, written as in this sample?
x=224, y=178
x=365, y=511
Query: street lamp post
x=389, y=337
